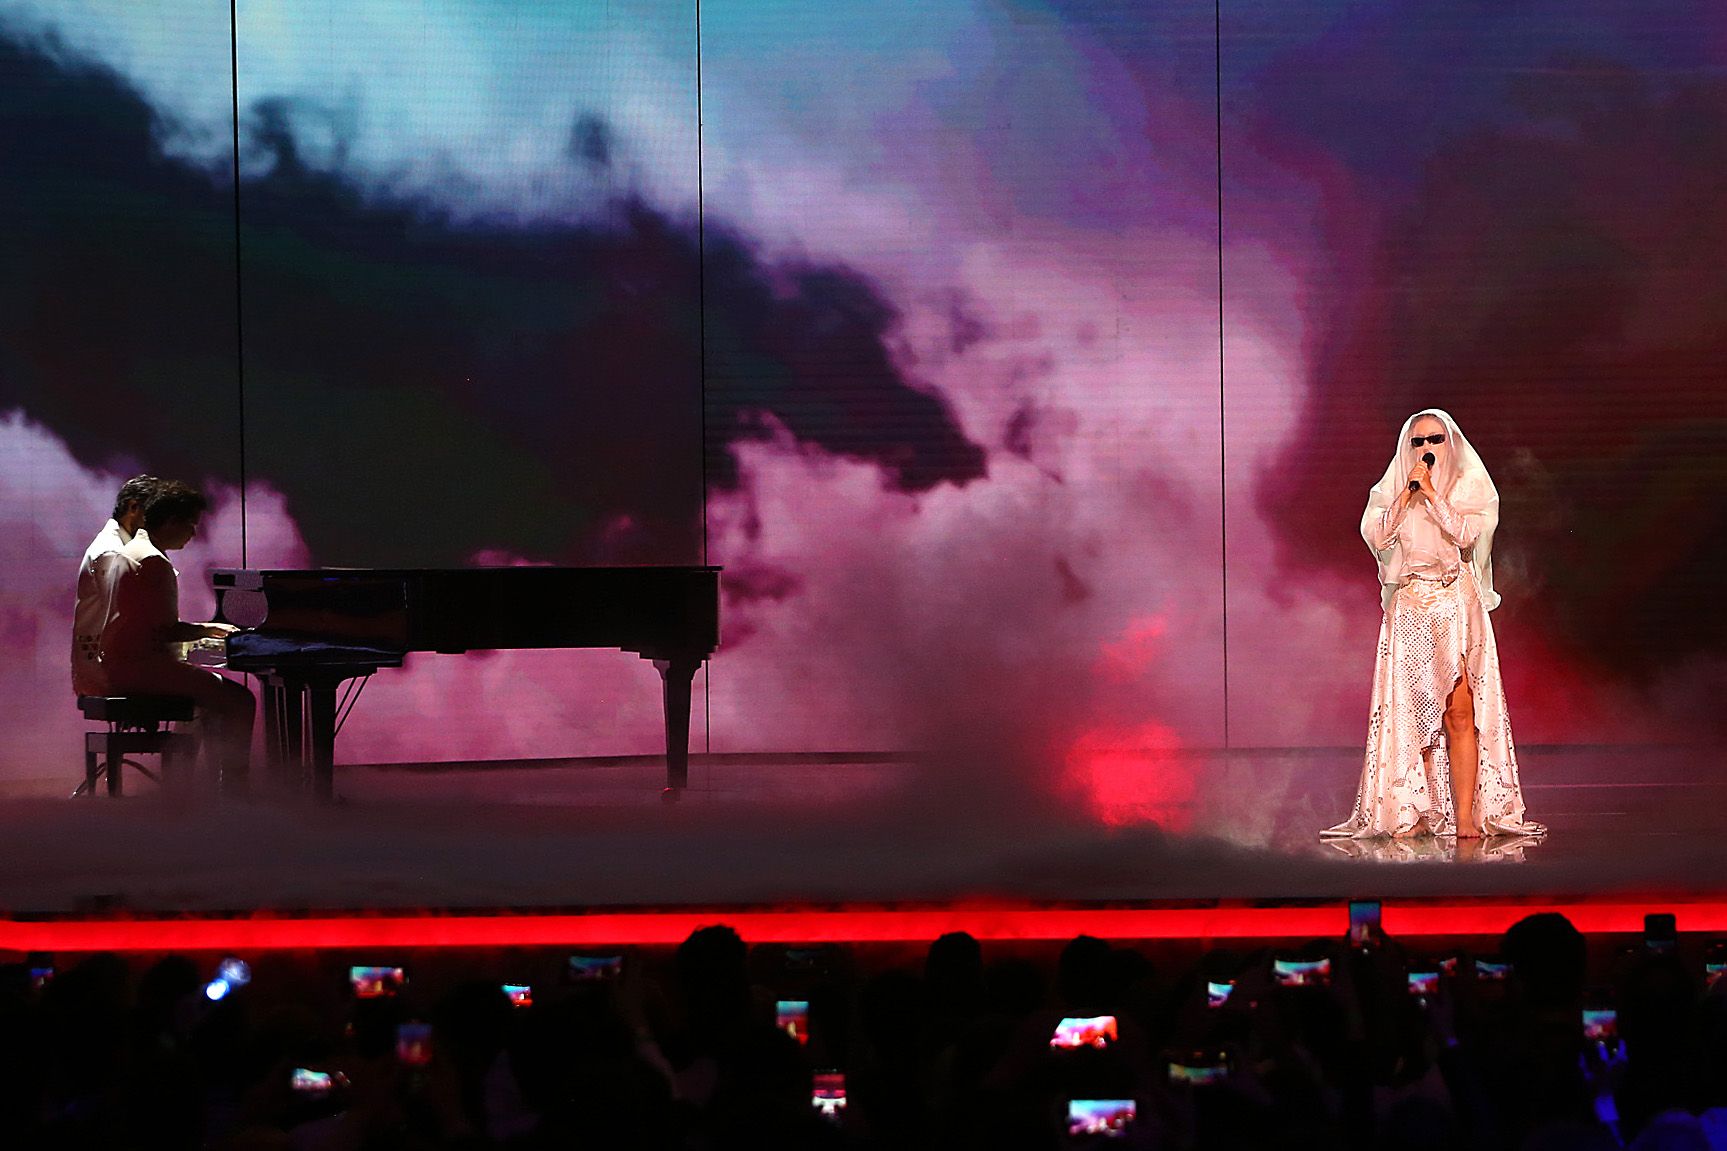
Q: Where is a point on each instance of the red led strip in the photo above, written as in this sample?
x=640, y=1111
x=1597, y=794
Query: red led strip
x=805, y=925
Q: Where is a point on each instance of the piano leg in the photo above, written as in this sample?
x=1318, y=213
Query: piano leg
x=293, y=762
x=300, y=725
x=321, y=738
x=675, y=677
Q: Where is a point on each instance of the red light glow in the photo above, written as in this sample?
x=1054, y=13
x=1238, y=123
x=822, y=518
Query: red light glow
x=838, y=925
x=1129, y=776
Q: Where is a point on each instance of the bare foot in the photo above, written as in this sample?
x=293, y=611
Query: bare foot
x=1466, y=828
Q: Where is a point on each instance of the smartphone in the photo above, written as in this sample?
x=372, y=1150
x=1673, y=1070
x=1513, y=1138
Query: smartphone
x=1423, y=984
x=793, y=1017
x=1301, y=972
x=376, y=982
x=236, y=971
x=519, y=994
x=594, y=968
x=1085, y=1031
x=230, y=974
x=1714, y=964
x=310, y=1084
x=1661, y=933
x=413, y=1044
x=1364, y=928
x=1107, y=1117
x=1491, y=969
x=1200, y=1068
x=40, y=965
x=829, y=1094
x=1448, y=965
x=1217, y=992
x=1600, y=1024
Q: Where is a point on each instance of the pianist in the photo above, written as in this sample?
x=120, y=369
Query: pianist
x=143, y=626
x=96, y=575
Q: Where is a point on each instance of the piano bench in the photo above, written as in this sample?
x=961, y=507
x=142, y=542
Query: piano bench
x=135, y=726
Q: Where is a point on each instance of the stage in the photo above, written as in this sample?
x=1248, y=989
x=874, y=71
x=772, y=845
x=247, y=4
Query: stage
x=831, y=847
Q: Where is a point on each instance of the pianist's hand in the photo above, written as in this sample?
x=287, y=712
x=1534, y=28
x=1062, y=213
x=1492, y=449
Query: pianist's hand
x=217, y=630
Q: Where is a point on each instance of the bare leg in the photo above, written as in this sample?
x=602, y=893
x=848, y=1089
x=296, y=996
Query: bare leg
x=1461, y=749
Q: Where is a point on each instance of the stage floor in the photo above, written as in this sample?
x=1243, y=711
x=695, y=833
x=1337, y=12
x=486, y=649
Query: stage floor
x=593, y=835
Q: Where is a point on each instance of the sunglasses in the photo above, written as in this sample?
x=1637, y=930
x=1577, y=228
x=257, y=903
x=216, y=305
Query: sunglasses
x=1435, y=438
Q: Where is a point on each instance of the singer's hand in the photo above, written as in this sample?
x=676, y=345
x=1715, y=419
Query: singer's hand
x=1420, y=476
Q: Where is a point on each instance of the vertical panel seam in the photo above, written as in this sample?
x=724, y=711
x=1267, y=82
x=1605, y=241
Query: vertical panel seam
x=702, y=360
x=1222, y=427
x=239, y=315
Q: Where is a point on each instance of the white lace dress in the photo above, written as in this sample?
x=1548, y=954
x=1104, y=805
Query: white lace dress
x=1435, y=631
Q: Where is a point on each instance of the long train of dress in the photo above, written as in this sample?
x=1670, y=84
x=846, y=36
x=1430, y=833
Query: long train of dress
x=1433, y=633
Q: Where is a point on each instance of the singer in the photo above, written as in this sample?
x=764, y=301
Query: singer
x=1440, y=760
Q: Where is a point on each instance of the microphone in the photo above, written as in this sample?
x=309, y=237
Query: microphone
x=1426, y=458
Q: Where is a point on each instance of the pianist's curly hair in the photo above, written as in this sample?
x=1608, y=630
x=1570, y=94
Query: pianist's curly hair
x=172, y=500
x=136, y=490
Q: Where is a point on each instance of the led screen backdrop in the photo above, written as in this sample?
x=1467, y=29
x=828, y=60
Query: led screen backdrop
x=908, y=314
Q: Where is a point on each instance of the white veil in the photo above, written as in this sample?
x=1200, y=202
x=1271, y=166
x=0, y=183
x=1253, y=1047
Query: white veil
x=1464, y=483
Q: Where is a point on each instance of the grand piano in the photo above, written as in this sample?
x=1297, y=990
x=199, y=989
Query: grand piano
x=308, y=631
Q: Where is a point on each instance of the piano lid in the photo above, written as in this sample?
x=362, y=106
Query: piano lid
x=657, y=611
